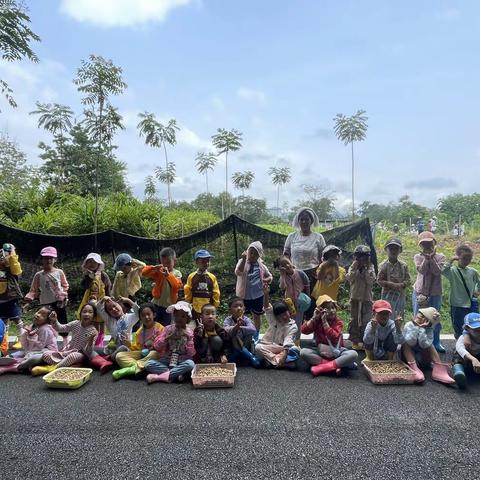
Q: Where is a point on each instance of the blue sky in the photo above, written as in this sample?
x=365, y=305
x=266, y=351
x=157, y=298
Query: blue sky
x=278, y=71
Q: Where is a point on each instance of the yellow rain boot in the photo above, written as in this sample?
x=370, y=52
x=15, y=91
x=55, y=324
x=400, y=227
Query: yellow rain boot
x=43, y=370
x=369, y=356
x=17, y=345
x=357, y=346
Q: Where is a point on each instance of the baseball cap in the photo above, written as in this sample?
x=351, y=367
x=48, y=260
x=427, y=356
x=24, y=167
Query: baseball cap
x=202, y=254
x=394, y=241
x=426, y=237
x=472, y=320
x=381, y=306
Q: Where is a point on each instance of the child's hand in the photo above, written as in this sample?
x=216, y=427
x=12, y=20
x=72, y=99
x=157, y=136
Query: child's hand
x=224, y=359
x=244, y=255
x=53, y=316
x=399, y=323
x=476, y=365
x=454, y=259
x=266, y=287
x=374, y=323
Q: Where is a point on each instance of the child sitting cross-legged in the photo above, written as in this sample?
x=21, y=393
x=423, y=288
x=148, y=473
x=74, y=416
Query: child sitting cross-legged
x=175, y=348
x=277, y=346
x=418, y=335
x=210, y=339
x=132, y=362
x=382, y=335
x=330, y=355
x=240, y=330
x=467, y=354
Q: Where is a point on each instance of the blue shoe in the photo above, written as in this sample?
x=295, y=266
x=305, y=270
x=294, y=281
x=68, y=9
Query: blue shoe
x=233, y=357
x=459, y=375
x=252, y=359
x=293, y=355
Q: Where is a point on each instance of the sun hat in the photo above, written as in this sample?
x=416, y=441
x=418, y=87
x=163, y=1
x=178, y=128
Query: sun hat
x=395, y=242
x=49, y=252
x=362, y=250
x=122, y=260
x=331, y=248
x=381, y=306
x=181, y=305
x=324, y=299
x=426, y=237
x=257, y=246
x=96, y=258
x=202, y=254
x=313, y=215
x=472, y=320
x=431, y=314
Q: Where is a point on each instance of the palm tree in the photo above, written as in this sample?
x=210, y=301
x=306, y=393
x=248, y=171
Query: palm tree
x=243, y=181
x=56, y=119
x=150, y=188
x=280, y=176
x=349, y=130
x=158, y=135
x=205, y=162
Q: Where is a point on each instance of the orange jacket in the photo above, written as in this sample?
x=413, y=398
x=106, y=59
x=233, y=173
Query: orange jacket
x=158, y=277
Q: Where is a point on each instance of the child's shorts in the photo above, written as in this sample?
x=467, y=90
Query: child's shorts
x=10, y=310
x=254, y=306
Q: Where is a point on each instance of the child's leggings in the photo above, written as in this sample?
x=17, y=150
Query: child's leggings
x=161, y=366
x=51, y=358
x=313, y=356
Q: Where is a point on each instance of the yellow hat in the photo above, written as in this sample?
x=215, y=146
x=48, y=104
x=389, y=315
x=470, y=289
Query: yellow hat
x=324, y=299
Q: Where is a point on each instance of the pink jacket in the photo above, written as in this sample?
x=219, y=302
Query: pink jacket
x=429, y=270
x=42, y=338
x=165, y=342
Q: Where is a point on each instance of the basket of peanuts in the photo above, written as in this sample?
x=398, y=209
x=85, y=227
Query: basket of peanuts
x=214, y=375
x=68, y=377
x=388, y=372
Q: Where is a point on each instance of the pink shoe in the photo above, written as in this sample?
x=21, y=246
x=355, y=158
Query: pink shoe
x=159, y=377
x=419, y=376
x=440, y=373
x=10, y=368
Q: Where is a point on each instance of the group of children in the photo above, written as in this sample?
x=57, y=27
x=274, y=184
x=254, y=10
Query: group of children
x=167, y=336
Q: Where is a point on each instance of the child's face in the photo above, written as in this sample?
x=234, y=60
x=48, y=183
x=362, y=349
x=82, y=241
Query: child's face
x=168, y=262
x=465, y=259
x=148, y=318
x=91, y=265
x=393, y=252
x=114, y=309
x=427, y=247
x=330, y=309
x=126, y=269
x=209, y=317
x=87, y=316
x=41, y=317
x=252, y=255
x=287, y=266
x=474, y=334
x=421, y=321
x=382, y=317
x=48, y=262
x=363, y=260
x=237, y=309
x=202, y=263
x=332, y=257
x=181, y=319
x=283, y=317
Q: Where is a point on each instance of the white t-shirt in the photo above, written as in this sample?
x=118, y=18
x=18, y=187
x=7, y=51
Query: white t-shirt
x=305, y=251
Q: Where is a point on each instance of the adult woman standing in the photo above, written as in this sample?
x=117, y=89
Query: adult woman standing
x=304, y=247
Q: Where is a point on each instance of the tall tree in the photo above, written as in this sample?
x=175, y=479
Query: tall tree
x=98, y=78
x=280, y=176
x=157, y=135
x=56, y=119
x=15, y=39
x=349, y=130
x=243, y=180
x=205, y=162
x=320, y=200
x=150, y=188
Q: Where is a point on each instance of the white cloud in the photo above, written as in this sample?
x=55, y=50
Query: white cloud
x=120, y=13
x=190, y=139
x=251, y=94
x=218, y=104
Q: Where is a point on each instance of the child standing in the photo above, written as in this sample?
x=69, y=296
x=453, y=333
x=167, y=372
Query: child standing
x=133, y=362
x=464, y=286
x=50, y=286
x=210, y=339
x=296, y=286
x=382, y=335
x=10, y=292
x=96, y=284
x=361, y=276
x=418, y=336
x=168, y=282
x=240, y=330
x=80, y=346
x=394, y=278
x=330, y=354
x=252, y=276
x=202, y=286
x=175, y=348
x=127, y=280
x=277, y=346
x=329, y=273
x=467, y=354
x=427, y=290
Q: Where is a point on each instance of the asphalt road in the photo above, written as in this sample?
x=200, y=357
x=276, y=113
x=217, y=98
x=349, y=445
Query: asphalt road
x=273, y=424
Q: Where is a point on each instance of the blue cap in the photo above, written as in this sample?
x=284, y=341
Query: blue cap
x=202, y=254
x=122, y=260
x=472, y=320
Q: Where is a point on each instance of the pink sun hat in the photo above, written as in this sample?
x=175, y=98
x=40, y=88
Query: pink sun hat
x=49, y=252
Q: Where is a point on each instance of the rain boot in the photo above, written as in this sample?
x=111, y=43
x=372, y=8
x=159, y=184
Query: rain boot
x=100, y=340
x=159, y=377
x=419, y=376
x=440, y=373
x=369, y=356
x=252, y=359
x=101, y=363
x=459, y=375
x=436, y=339
x=325, y=367
x=358, y=346
x=43, y=370
x=129, y=371
x=12, y=368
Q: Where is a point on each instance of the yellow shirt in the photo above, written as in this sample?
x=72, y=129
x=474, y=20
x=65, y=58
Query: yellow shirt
x=329, y=283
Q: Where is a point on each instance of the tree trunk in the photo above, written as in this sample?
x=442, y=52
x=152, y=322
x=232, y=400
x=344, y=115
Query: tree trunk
x=353, y=185
x=169, y=197
x=226, y=182
x=278, y=198
x=206, y=179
